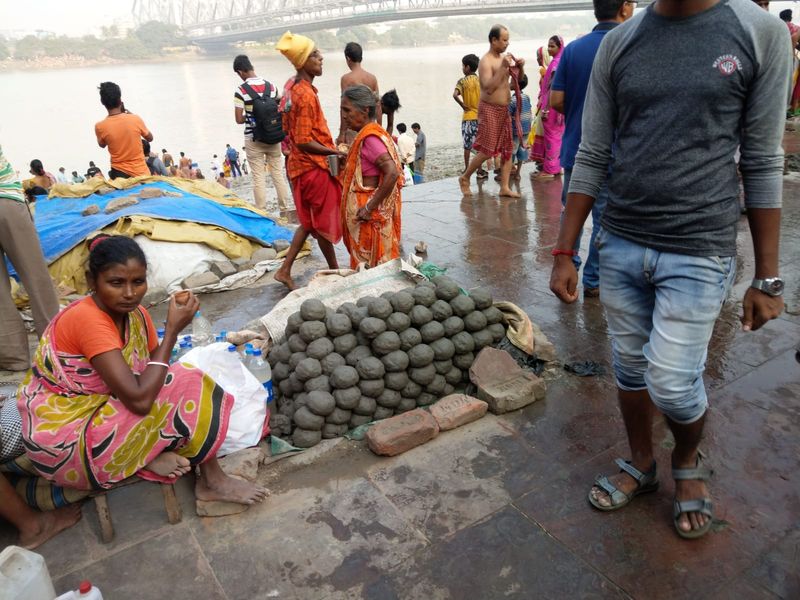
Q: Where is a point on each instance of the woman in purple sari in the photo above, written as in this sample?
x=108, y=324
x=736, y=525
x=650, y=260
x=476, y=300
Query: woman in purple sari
x=550, y=126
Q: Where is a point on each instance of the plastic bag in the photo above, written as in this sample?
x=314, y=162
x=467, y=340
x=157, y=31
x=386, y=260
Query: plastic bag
x=246, y=426
x=408, y=176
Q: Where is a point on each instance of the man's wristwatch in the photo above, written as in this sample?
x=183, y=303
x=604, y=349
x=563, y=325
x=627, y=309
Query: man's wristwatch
x=772, y=286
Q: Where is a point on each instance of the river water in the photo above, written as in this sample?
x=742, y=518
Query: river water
x=188, y=106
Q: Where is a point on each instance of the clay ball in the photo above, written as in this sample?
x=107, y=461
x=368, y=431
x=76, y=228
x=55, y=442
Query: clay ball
x=446, y=288
x=308, y=368
x=389, y=398
x=482, y=339
x=462, y=305
x=385, y=343
x=398, y=322
x=382, y=413
x=395, y=381
x=411, y=390
x=402, y=302
x=371, y=387
x=312, y=310
x=338, y=324
x=339, y=416
x=395, y=361
x=296, y=343
x=475, y=321
x=348, y=398
x=498, y=332
x=441, y=310
x=364, y=301
x=443, y=349
x=482, y=298
x=356, y=354
x=320, y=383
x=281, y=371
x=320, y=403
x=430, y=332
x=370, y=368
x=463, y=343
x=359, y=314
x=304, y=418
x=372, y=327
x=303, y=438
x=424, y=295
x=380, y=308
x=410, y=338
x=406, y=404
x=420, y=355
x=345, y=343
x=420, y=315
x=464, y=361
x=296, y=358
x=320, y=348
x=366, y=406
x=422, y=375
x=344, y=377
x=293, y=323
x=452, y=326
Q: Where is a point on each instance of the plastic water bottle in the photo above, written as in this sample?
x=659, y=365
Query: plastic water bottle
x=232, y=349
x=201, y=330
x=160, y=333
x=248, y=357
x=173, y=356
x=223, y=335
x=261, y=370
x=183, y=348
x=86, y=591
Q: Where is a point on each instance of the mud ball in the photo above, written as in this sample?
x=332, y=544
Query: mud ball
x=475, y=321
x=281, y=371
x=443, y=366
x=431, y=332
x=371, y=387
x=395, y=362
x=297, y=385
x=398, y=322
x=293, y=323
x=370, y=368
x=452, y=326
x=364, y=301
x=346, y=308
x=345, y=343
x=372, y=327
x=426, y=399
x=420, y=355
x=339, y=416
x=498, y=332
x=388, y=398
x=402, y=302
x=312, y=330
x=462, y=305
x=359, y=420
x=463, y=343
x=441, y=310
x=424, y=295
x=320, y=348
x=282, y=353
x=482, y=298
x=435, y=387
x=382, y=413
x=300, y=400
x=313, y=310
x=464, y=361
x=410, y=338
x=412, y=390
x=446, y=288
x=348, y=398
x=338, y=324
x=320, y=383
x=331, y=431
x=308, y=369
x=448, y=389
x=482, y=339
x=321, y=403
x=493, y=315
x=331, y=362
x=406, y=404
x=285, y=387
x=366, y=406
x=280, y=423
x=356, y=354
x=387, y=295
x=422, y=375
x=344, y=377
x=359, y=314
x=296, y=343
x=287, y=408
x=363, y=340
x=385, y=343
x=395, y=381
x=295, y=359
x=420, y=315
x=380, y=308
x=303, y=438
x=443, y=349
x=304, y=418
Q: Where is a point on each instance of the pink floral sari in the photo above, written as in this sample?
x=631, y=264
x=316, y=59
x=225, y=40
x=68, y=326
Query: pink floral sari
x=547, y=146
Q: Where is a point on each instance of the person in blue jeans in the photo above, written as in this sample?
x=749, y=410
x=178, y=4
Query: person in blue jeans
x=721, y=70
x=567, y=96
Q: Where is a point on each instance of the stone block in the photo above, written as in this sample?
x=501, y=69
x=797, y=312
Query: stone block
x=120, y=203
x=199, y=280
x=502, y=383
x=154, y=295
x=280, y=245
x=222, y=268
x=241, y=263
x=263, y=254
x=92, y=209
x=456, y=410
x=401, y=433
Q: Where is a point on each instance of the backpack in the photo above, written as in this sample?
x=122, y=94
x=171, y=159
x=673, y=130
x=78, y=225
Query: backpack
x=269, y=125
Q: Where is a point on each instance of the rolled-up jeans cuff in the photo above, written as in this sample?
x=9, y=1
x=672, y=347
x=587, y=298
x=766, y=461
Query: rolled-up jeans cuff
x=628, y=388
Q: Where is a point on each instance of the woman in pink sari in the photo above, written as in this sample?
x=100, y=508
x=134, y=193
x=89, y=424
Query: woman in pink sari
x=550, y=123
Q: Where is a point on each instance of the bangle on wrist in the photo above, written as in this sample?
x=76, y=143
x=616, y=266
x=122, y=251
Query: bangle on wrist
x=557, y=252
x=155, y=362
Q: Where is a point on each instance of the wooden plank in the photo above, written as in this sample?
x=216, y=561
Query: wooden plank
x=104, y=516
x=174, y=512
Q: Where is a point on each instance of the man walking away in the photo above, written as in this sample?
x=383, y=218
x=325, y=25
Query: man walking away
x=406, y=145
x=166, y=158
x=668, y=243
x=122, y=132
x=263, y=151
x=467, y=95
x=567, y=97
x=233, y=158
x=353, y=55
x=421, y=149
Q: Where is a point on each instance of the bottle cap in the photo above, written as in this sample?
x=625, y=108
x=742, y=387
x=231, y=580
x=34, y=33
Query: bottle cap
x=85, y=587
x=197, y=314
x=187, y=338
x=160, y=331
x=183, y=344
x=231, y=348
x=248, y=345
x=257, y=352
x=249, y=351
x=223, y=334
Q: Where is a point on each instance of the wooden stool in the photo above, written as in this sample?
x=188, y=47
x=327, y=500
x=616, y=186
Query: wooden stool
x=174, y=512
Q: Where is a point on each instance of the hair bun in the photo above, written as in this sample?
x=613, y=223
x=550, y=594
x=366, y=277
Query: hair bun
x=96, y=241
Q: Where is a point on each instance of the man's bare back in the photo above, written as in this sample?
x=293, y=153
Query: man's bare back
x=359, y=76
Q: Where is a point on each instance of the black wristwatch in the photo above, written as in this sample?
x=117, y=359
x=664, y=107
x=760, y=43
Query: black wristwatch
x=772, y=286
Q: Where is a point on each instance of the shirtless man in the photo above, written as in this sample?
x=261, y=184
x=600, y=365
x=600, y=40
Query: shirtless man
x=494, y=120
x=353, y=55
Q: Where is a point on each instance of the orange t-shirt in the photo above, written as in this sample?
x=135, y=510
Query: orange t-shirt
x=85, y=330
x=306, y=123
x=123, y=134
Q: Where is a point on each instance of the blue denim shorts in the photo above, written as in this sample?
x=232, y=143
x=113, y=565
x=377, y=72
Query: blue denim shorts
x=661, y=309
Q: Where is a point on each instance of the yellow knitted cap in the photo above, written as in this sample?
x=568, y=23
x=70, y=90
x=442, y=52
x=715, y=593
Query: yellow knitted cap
x=297, y=48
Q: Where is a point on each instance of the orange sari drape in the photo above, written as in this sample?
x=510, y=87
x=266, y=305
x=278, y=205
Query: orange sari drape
x=378, y=240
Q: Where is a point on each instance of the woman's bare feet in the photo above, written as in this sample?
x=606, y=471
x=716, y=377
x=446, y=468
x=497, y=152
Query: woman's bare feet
x=285, y=278
x=508, y=193
x=214, y=484
x=169, y=464
x=47, y=524
x=463, y=183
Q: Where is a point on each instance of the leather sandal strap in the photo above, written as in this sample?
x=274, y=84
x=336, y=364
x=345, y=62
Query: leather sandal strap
x=701, y=505
x=631, y=470
x=616, y=495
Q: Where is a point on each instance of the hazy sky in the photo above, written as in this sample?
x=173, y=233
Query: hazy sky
x=75, y=17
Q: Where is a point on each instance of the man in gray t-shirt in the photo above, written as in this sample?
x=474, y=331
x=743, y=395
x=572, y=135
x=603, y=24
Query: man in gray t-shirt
x=677, y=89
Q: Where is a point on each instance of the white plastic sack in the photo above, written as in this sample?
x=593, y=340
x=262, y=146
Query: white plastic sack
x=408, y=176
x=166, y=272
x=250, y=398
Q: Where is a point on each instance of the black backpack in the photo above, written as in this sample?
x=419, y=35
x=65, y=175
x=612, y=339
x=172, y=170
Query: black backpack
x=269, y=125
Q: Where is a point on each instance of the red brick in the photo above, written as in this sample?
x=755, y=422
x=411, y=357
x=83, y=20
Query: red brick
x=402, y=432
x=502, y=383
x=456, y=410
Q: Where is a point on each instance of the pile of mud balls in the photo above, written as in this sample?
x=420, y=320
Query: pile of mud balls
x=376, y=358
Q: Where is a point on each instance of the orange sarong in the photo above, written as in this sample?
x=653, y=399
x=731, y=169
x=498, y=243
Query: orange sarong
x=378, y=240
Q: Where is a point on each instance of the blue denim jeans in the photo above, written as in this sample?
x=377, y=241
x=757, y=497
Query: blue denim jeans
x=591, y=270
x=661, y=309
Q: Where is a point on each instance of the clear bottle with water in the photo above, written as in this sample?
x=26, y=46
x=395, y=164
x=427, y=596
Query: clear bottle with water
x=160, y=333
x=232, y=349
x=202, y=334
x=261, y=370
x=248, y=357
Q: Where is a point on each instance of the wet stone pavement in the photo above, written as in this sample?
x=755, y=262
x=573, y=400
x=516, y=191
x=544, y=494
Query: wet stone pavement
x=497, y=508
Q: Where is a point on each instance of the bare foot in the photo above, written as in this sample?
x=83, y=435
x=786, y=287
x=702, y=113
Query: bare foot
x=228, y=489
x=543, y=175
x=508, y=193
x=285, y=278
x=464, y=184
x=622, y=481
x=47, y=524
x=169, y=464
x=691, y=489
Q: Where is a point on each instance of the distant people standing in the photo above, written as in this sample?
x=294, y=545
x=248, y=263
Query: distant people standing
x=77, y=178
x=520, y=153
x=122, y=132
x=421, y=149
x=262, y=154
x=215, y=165
x=19, y=241
x=547, y=147
x=245, y=170
x=93, y=170
x=390, y=104
x=166, y=158
x=406, y=145
x=233, y=157
x=567, y=96
x=467, y=95
x=353, y=55
x=317, y=193
x=61, y=176
x=185, y=162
